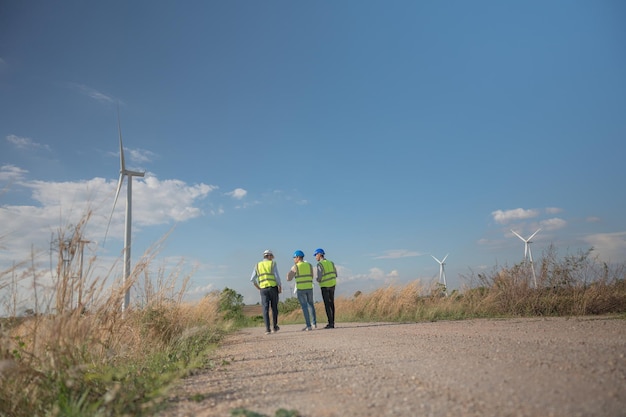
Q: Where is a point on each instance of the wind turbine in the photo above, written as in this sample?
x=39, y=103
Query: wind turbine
x=528, y=255
x=129, y=198
x=442, y=271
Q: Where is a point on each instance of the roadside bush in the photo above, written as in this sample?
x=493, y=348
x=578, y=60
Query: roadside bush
x=288, y=305
x=231, y=305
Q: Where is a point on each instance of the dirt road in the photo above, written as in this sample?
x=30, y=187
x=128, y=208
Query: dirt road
x=513, y=367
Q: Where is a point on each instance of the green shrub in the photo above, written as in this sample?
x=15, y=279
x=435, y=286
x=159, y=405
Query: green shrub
x=288, y=305
x=231, y=305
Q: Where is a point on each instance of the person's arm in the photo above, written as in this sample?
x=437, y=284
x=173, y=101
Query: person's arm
x=280, y=285
x=320, y=272
x=254, y=279
x=291, y=274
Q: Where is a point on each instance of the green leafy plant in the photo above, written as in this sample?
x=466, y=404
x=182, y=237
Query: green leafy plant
x=288, y=305
x=231, y=305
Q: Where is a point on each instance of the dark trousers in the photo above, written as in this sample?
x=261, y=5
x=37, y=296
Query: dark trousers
x=328, y=295
x=269, y=298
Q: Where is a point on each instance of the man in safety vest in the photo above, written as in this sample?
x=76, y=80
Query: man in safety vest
x=302, y=271
x=327, y=277
x=266, y=279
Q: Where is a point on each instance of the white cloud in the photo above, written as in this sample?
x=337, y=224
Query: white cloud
x=237, y=193
x=553, y=224
x=158, y=202
x=609, y=246
x=139, y=156
x=553, y=210
x=592, y=219
x=11, y=173
x=25, y=143
x=95, y=94
x=373, y=275
x=248, y=204
x=65, y=203
x=135, y=156
x=376, y=274
x=507, y=216
x=397, y=253
x=201, y=290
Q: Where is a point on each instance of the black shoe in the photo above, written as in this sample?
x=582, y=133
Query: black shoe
x=276, y=328
x=328, y=326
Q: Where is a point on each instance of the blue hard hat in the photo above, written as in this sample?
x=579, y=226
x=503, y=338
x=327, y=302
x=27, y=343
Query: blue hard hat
x=319, y=250
x=298, y=253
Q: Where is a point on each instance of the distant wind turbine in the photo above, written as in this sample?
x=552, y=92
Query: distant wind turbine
x=129, y=198
x=442, y=271
x=528, y=255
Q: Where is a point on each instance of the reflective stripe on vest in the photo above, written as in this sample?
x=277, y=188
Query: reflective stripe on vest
x=329, y=273
x=265, y=273
x=304, y=276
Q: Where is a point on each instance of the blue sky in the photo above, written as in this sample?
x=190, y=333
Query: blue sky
x=383, y=131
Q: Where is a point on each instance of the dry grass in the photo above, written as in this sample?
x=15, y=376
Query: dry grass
x=78, y=354
x=574, y=285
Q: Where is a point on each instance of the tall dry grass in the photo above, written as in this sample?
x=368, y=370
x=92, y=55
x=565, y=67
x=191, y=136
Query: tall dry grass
x=572, y=285
x=77, y=354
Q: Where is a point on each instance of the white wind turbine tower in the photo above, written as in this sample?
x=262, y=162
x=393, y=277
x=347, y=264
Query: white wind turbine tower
x=442, y=271
x=129, y=197
x=528, y=255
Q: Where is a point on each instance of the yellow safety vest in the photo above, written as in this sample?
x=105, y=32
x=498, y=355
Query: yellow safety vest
x=265, y=273
x=304, y=276
x=329, y=273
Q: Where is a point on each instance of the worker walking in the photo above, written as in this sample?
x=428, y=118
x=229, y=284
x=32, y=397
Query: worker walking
x=327, y=278
x=266, y=279
x=302, y=271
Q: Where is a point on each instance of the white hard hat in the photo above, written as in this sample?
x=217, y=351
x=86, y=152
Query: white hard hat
x=268, y=252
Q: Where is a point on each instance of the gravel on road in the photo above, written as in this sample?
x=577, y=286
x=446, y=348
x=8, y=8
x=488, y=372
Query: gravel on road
x=489, y=367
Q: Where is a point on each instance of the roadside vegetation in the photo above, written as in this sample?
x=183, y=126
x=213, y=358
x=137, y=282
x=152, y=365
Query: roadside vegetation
x=569, y=285
x=75, y=353
x=572, y=285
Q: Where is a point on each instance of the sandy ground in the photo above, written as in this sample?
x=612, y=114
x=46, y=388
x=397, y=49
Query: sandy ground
x=513, y=367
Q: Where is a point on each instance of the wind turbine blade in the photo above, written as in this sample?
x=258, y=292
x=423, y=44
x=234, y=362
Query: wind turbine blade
x=533, y=235
x=435, y=259
x=117, y=194
x=119, y=130
x=444, y=258
x=525, y=249
x=518, y=235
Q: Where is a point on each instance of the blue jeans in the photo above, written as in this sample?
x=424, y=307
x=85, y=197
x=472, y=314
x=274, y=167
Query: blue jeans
x=269, y=298
x=306, y=302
